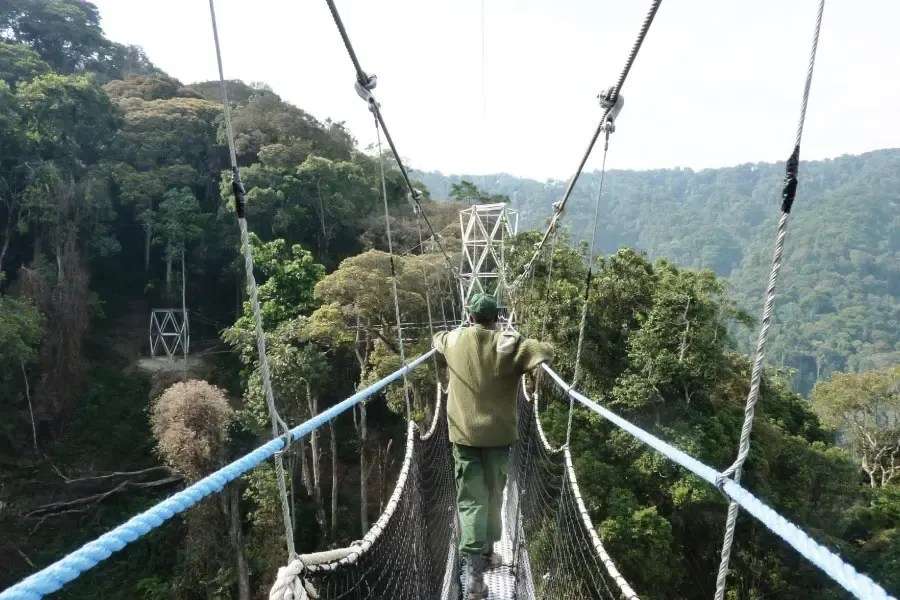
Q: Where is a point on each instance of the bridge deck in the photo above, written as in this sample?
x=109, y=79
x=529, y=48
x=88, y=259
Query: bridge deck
x=501, y=580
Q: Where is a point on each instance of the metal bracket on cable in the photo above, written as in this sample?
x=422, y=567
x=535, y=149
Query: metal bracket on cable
x=612, y=103
x=790, y=180
x=721, y=480
x=364, y=89
x=413, y=199
x=237, y=188
x=288, y=437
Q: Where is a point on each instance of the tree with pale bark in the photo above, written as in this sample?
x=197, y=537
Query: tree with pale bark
x=864, y=409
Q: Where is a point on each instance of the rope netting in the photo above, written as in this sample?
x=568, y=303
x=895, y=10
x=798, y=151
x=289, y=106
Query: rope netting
x=557, y=552
x=410, y=551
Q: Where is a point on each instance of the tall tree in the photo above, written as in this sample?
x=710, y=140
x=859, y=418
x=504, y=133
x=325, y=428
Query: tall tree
x=179, y=222
x=864, y=408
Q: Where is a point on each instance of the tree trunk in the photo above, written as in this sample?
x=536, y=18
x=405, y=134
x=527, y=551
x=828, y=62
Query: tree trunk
x=168, y=275
x=185, y=328
x=236, y=533
x=334, y=480
x=148, y=239
x=304, y=469
x=323, y=247
x=363, y=470
x=314, y=451
x=7, y=235
x=30, y=408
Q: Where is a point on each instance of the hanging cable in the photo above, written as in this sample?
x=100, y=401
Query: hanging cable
x=789, y=192
x=365, y=83
x=613, y=94
x=279, y=427
x=549, y=282
x=427, y=293
x=609, y=127
x=390, y=241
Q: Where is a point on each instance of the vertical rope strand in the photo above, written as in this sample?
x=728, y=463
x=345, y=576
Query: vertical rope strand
x=427, y=293
x=390, y=241
x=790, y=188
x=546, y=314
x=587, y=284
x=279, y=427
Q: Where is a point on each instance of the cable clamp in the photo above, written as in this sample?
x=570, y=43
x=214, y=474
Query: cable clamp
x=413, y=199
x=612, y=103
x=286, y=434
x=237, y=188
x=789, y=191
x=364, y=86
x=721, y=478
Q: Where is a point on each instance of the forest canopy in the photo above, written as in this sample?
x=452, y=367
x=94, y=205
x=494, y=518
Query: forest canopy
x=115, y=200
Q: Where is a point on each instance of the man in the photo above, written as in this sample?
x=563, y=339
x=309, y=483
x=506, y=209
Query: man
x=484, y=367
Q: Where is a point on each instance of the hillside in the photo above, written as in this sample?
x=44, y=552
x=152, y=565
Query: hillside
x=837, y=307
x=116, y=200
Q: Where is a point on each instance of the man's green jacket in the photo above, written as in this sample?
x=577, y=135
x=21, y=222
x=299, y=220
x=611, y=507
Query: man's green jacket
x=484, y=367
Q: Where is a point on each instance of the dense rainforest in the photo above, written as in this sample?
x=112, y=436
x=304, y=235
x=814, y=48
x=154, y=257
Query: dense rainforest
x=115, y=199
x=837, y=304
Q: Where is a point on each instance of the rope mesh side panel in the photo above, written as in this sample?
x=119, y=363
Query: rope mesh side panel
x=407, y=551
x=557, y=551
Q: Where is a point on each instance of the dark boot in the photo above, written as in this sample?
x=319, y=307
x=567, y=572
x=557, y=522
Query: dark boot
x=475, y=587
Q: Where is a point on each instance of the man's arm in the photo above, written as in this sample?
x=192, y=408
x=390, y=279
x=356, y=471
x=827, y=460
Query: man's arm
x=439, y=341
x=532, y=353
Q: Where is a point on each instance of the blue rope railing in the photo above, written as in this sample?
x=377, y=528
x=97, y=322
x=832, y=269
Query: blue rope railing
x=830, y=563
x=70, y=567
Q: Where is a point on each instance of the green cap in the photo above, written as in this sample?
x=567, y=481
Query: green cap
x=483, y=306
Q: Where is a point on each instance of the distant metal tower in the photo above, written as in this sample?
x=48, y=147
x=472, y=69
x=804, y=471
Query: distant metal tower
x=485, y=229
x=169, y=332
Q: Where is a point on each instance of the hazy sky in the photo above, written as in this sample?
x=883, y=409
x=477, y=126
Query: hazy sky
x=718, y=82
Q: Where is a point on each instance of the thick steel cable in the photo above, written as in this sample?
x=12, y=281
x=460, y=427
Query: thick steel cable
x=560, y=206
x=390, y=241
x=279, y=427
x=790, y=188
x=587, y=283
x=366, y=82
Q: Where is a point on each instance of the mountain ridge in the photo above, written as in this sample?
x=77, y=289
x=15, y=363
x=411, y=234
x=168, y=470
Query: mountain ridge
x=837, y=306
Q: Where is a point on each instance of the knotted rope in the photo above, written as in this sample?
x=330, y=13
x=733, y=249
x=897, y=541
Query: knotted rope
x=279, y=427
x=788, y=193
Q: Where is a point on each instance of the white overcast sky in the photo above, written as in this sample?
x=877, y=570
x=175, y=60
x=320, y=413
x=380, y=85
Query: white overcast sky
x=717, y=83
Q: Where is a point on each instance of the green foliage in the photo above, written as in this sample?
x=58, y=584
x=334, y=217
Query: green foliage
x=864, y=409
x=836, y=308
x=21, y=327
x=67, y=118
x=290, y=275
x=66, y=33
x=657, y=349
x=135, y=167
x=644, y=533
x=164, y=132
x=179, y=220
x=467, y=192
x=148, y=87
x=20, y=63
x=266, y=120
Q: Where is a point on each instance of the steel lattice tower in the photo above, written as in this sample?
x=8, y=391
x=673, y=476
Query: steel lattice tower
x=485, y=229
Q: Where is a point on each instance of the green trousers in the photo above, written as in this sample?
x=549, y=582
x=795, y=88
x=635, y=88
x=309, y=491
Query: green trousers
x=480, y=479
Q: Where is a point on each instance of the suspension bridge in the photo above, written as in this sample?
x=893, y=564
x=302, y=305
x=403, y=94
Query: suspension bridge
x=550, y=548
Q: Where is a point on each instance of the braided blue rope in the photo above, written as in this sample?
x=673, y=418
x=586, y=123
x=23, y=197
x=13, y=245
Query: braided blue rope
x=55, y=576
x=853, y=581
